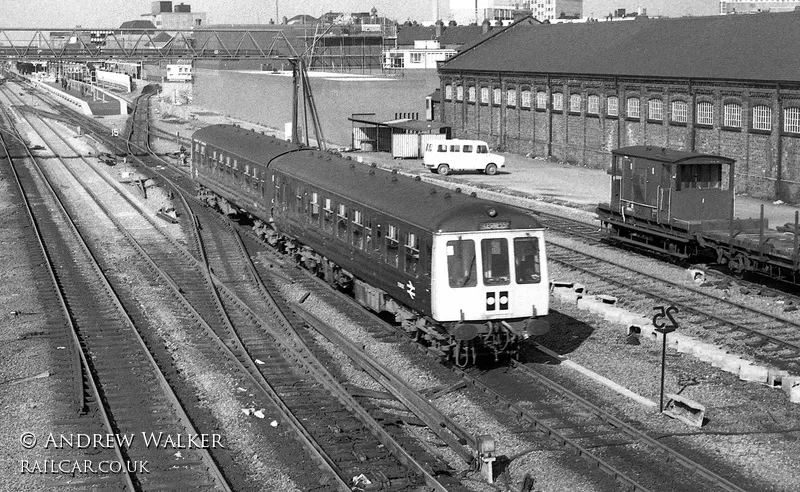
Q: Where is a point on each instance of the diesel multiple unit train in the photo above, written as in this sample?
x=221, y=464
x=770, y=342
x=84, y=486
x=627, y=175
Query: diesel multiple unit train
x=466, y=275
x=682, y=204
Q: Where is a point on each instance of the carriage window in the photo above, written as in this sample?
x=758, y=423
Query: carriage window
x=526, y=260
x=494, y=257
x=358, y=231
x=327, y=216
x=315, y=208
x=461, y=263
x=372, y=242
x=392, y=246
x=412, y=253
x=202, y=149
x=341, y=222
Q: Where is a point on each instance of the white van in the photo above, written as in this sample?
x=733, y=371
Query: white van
x=443, y=156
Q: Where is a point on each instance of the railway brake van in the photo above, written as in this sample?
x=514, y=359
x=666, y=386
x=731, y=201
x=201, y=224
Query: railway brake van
x=465, y=275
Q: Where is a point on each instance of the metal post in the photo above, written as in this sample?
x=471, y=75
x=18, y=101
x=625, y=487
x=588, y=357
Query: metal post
x=761, y=232
x=796, y=243
x=663, y=369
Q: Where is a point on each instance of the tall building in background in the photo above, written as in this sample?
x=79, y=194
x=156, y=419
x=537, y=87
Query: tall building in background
x=556, y=9
x=755, y=6
x=164, y=15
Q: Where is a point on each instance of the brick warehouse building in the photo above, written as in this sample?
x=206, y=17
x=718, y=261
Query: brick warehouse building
x=728, y=85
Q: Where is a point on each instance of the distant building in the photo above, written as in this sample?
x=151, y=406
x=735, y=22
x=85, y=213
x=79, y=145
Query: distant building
x=575, y=92
x=557, y=9
x=755, y=6
x=165, y=15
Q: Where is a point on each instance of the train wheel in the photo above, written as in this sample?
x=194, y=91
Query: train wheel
x=491, y=169
x=443, y=169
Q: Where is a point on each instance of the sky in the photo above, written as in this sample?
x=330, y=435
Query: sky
x=112, y=13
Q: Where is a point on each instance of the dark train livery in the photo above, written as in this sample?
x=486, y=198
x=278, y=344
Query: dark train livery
x=463, y=273
x=682, y=204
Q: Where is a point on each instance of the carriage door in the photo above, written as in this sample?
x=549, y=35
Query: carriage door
x=665, y=193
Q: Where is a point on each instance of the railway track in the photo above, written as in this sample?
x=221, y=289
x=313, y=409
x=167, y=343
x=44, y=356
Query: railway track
x=576, y=445
x=122, y=388
x=344, y=451
x=776, y=339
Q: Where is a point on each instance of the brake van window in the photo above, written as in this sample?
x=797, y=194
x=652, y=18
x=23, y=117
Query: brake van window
x=461, y=263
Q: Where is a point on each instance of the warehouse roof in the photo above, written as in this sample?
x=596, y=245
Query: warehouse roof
x=734, y=47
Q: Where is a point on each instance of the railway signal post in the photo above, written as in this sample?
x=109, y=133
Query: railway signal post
x=664, y=328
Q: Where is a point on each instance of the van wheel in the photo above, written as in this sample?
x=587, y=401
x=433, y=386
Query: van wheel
x=443, y=169
x=491, y=169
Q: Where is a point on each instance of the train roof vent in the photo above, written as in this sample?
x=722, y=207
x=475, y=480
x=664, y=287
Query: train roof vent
x=373, y=165
x=458, y=190
x=394, y=171
x=417, y=178
x=473, y=194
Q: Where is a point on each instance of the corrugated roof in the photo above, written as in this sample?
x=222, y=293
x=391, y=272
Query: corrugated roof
x=736, y=47
x=672, y=156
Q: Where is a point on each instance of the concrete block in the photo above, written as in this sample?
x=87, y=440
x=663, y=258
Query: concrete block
x=682, y=343
x=606, y=299
x=718, y=358
x=732, y=364
x=556, y=284
x=685, y=410
x=588, y=303
x=789, y=383
x=794, y=394
x=579, y=289
x=698, y=276
x=754, y=372
x=775, y=377
x=613, y=314
x=628, y=318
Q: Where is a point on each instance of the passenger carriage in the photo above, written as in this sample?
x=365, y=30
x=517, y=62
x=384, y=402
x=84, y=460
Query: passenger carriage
x=463, y=273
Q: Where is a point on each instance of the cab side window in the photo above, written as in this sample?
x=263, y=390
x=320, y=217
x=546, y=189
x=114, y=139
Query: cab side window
x=461, y=264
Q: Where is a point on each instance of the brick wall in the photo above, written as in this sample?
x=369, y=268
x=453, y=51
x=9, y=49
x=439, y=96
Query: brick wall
x=768, y=161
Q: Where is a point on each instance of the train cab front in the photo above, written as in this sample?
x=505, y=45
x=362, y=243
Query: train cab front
x=490, y=290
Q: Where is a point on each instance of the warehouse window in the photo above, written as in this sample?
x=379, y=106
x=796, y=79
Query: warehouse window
x=341, y=222
x=558, y=101
x=732, y=115
x=705, y=113
x=461, y=263
x=459, y=93
x=327, y=216
x=612, y=106
x=791, y=120
x=541, y=100
x=448, y=92
x=496, y=96
x=680, y=111
x=525, y=99
x=485, y=95
x=655, y=110
x=593, y=104
x=471, y=94
x=575, y=103
x=632, y=107
x=392, y=246
x=511, y=98
x=762, y=118
x=412, y=253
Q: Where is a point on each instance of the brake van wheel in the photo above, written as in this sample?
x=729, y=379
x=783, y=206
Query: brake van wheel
x=443, y=169
x=491, y=169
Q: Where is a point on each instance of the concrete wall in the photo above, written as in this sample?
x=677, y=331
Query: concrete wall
x=768, y=162
x=266, y=98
